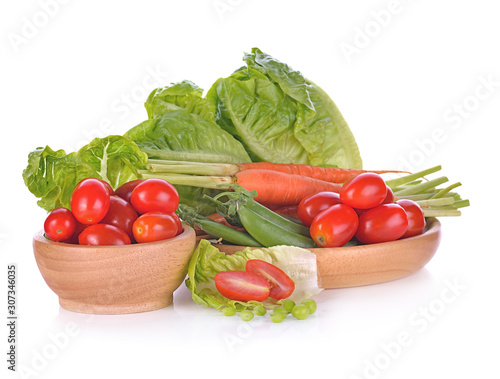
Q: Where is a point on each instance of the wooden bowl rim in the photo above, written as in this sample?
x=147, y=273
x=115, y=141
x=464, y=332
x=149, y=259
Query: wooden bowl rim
x=39, y=237
x=433, y=228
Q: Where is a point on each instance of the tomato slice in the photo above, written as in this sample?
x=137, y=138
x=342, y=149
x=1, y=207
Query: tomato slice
x=242, y=286
x=281, y=284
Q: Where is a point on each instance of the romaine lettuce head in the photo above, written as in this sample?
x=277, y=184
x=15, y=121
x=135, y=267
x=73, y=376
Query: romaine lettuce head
x=53, y=175
x=181, y=126
x=282, y=117
x=207, y=261
x=184, y=94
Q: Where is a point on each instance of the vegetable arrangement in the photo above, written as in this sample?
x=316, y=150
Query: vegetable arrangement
x=262, y=140
x=364, y=210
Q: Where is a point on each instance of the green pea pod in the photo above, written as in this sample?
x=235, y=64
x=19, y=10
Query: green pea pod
x=218, y=230
x=276, y=218
x=215, y=229
x=269, y=233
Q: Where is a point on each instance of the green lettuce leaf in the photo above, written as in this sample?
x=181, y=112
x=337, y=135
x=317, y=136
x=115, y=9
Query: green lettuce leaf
x=52, y=175
x=186, y=95
x=182, y=127
x=207, y=261
x=282, y=117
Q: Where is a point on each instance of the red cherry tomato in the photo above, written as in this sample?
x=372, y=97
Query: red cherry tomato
x=389, y=199
x=154, y=195
x=120, y=214
x=281, y=284
x=416, y=219
x=90, y=201
x=108, y=187
x=60, y=224
x=103, y=234
x=311, y=205
x=366, y=190
x=79, y=228
x=386, y=222
x=178, y=221
x=154, y=226
x=334, y=226
x=125, y=190
x=242, y=286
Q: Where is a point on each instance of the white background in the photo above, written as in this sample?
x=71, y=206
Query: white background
x=399, y=71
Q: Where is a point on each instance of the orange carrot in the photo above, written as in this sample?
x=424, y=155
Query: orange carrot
x=328, y=174
x=274, y=187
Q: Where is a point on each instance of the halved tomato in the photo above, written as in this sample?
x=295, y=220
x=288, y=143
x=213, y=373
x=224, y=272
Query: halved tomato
x=281, y=284
x=242, y=286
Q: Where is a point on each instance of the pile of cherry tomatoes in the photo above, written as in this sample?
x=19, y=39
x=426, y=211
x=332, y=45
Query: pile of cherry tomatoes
x=138, y=211
x=364, y=210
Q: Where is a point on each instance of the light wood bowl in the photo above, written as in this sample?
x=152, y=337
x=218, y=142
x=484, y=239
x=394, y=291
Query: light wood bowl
x=361, y=265
x=115, y=279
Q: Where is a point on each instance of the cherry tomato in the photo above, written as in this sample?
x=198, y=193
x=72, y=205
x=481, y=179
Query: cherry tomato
x=120, y=214
x=178, y=221
x=416, y=219
x=108, y=187
x=311, y=205
x=154, y=195
x=242, y=286
x=386, y=222
x=154, y=226
x=90, y=201
x=125, y=190
x=366, y=190
x=74, y=238
x=281, y=284
x=334, y=226
x=60, y=224
x=390, y=196
x=103, y=234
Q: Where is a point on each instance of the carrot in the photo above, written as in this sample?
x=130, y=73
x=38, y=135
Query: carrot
x=274, y=187
x=328, y=174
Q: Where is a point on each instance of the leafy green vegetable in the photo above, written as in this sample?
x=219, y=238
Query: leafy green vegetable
x=53, y=175
x=207, y=261
x=182, y=127
x=186, y=95
x=282, y=117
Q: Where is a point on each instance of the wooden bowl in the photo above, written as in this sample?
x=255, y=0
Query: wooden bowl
x=361, y=265
x=115, y=279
